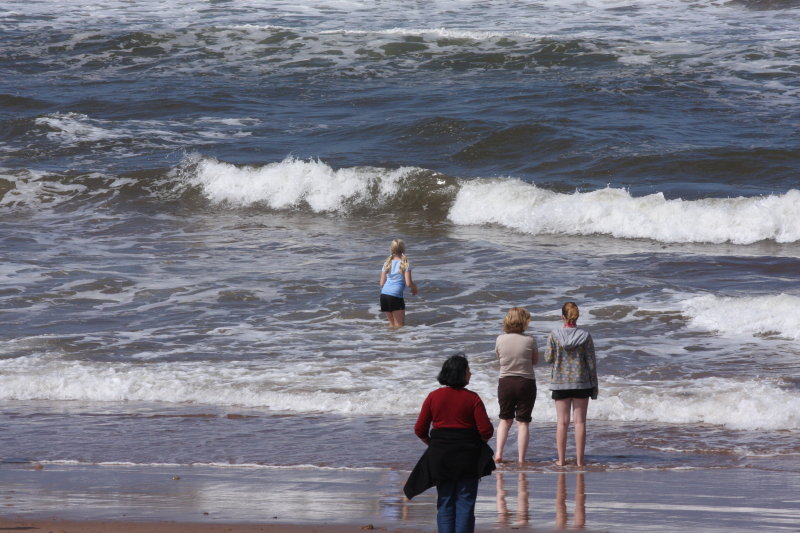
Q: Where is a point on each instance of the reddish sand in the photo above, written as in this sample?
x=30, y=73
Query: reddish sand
x=61, y=526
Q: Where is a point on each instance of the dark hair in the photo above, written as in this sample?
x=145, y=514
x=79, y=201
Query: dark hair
x=454, y=371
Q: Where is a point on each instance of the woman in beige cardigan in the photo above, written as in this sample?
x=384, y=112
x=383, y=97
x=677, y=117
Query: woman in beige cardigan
x=516, y=389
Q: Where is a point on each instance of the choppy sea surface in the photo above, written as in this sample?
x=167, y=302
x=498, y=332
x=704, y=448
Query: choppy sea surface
x=196, y=198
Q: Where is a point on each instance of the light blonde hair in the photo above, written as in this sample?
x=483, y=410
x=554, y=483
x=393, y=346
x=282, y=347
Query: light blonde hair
x=398, y=247
x=570, y=313
x=516, y=320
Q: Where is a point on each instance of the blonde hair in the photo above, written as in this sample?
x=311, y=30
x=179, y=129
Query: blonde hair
x=398, y=247
x=516, y=320
x=570, y=313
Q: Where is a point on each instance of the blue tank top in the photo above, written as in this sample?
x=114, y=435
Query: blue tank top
x=395, y=280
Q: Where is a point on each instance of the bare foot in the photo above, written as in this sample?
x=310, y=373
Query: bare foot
x=560, y=463
x=498, y=460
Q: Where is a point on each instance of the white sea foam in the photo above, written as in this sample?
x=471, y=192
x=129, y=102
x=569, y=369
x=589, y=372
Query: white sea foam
x=70, y=129
x=560, y=14
x=393, y=388
x=76, y=127
x=35, y=189
x=292, y=182
x=226, y=466
x=615, y=212
x=243, y=121
x=735, y=404
x=746, y=315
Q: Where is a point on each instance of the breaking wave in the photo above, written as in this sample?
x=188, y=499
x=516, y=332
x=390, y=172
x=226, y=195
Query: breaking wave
x=355, y=391
x=312, y=185
x=511, y=203
x=748, y=315
x=530, y=209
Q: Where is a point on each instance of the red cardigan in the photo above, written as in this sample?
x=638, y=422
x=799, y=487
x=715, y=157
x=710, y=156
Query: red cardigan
x=453, y=408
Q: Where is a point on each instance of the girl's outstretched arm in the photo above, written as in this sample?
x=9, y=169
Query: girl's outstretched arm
x=411, y=283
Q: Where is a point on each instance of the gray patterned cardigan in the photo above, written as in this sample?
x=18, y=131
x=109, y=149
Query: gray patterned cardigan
x=570, y=352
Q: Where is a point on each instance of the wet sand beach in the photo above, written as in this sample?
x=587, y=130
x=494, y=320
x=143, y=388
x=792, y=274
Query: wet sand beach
x=133, y=499
x=118, y=526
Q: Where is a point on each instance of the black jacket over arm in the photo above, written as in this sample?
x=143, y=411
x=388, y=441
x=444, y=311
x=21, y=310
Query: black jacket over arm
x=452, y=455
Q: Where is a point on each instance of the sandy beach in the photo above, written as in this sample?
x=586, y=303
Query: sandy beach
x=118, y=526
x=134, y=499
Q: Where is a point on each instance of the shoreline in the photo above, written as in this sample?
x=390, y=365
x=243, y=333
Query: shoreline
x=159, y=499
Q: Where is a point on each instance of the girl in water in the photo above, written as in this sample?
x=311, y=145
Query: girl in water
x=573, y=380
x=516, y=389
x=395, y=276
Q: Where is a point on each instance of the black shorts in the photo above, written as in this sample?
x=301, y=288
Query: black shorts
x=572, y=393
x=516, y=396
x=392, y=303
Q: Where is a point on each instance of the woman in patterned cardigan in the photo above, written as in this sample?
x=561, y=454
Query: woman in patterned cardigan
x=573, y=380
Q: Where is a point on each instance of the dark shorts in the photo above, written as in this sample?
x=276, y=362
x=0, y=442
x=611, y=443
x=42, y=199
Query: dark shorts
x=572, y=393
x=516, y=396
x=392, y=303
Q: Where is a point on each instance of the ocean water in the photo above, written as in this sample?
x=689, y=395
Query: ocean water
x=196, y=198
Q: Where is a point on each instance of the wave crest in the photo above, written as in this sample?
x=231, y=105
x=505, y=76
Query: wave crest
x=298, y=184
x=530, y=209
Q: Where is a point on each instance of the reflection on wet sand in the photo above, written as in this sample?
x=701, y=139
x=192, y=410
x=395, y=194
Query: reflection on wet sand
x=503, y=514
x=522, y=516
x=561, y=502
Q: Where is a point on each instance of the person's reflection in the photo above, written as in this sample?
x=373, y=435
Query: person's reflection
x=561, y=501
x=522, y=499
x=502, y=507
x=580, y=501
x=503, y=514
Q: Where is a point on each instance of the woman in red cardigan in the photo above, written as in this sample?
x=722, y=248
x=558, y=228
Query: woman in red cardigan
x=457, y=455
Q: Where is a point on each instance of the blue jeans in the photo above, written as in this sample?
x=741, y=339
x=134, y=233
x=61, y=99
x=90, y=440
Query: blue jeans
x=456, y=506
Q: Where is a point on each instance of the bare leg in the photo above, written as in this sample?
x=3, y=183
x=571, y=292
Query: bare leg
x=562, y=426
x=390, y=316
x=523, y=436
x=399, y=318
x=579, y=408
x=502, y=436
